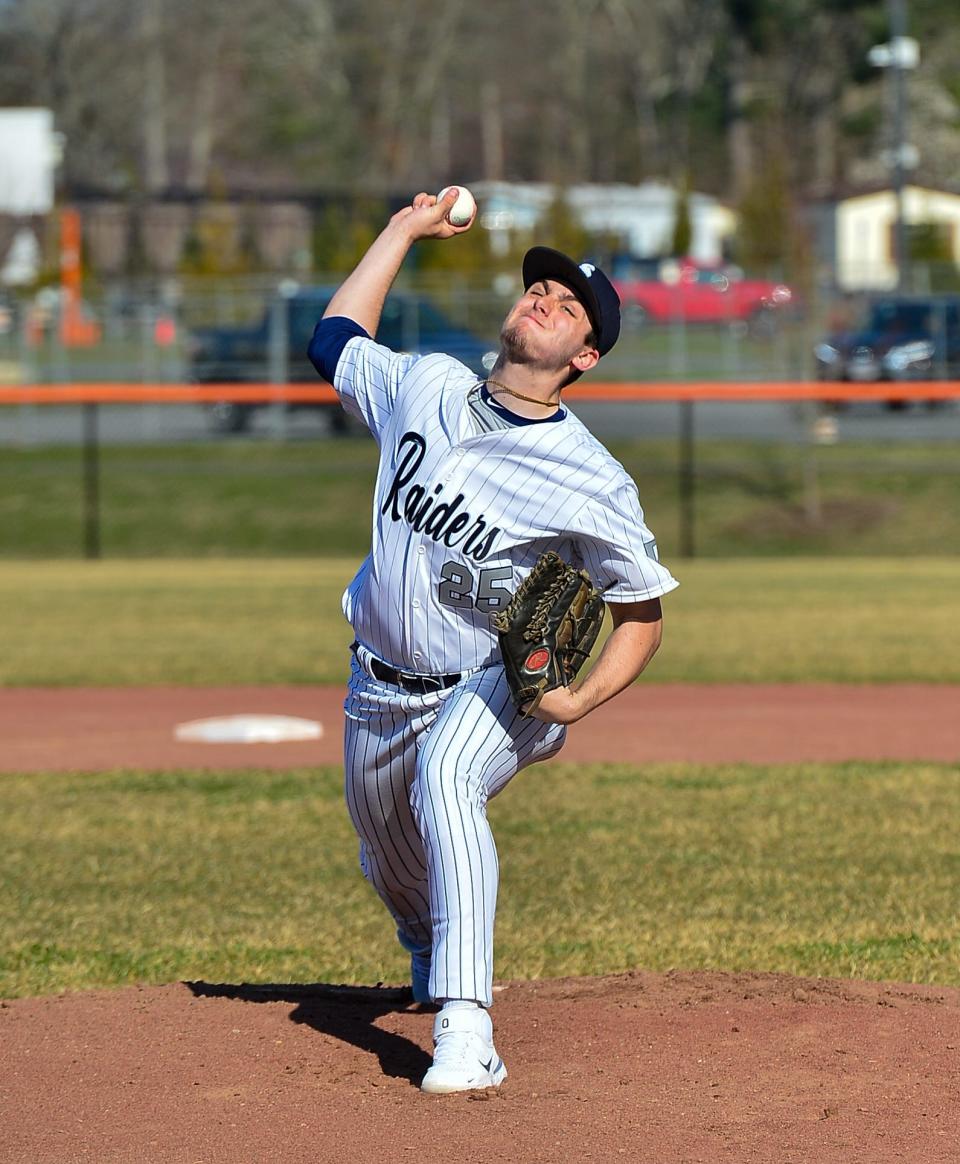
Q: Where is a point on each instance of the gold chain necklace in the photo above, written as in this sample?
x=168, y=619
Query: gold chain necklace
x=520, y=396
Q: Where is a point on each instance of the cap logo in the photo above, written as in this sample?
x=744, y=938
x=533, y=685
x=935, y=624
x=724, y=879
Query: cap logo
x=587, y=268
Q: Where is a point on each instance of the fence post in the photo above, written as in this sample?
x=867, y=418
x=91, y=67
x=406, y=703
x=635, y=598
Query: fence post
x=278, y=356
x=91, y=482
x=687, y=480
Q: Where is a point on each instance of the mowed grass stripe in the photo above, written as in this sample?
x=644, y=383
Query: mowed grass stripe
x=265, y=498
x=846, y=870
x=278, y=621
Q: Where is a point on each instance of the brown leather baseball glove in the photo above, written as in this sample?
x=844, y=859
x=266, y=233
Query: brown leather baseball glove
x=548, y=629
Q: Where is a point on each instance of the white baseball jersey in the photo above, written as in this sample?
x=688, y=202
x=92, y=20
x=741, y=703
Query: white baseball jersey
x=462, y=510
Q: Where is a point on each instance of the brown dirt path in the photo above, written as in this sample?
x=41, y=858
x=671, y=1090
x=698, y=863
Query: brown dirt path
x=48, y=729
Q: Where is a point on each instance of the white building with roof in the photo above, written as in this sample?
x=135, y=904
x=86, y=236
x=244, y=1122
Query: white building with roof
x=29, y=153
x=865, y=229
x=643, y=216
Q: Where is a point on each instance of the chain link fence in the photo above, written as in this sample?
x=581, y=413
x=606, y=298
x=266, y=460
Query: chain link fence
x=697, y=325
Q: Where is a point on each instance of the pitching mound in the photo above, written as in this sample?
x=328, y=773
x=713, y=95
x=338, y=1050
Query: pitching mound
x=640, y=1067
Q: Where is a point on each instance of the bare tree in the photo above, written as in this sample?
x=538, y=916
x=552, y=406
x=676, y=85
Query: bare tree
x=202, y=129
x=378, y=96
x=417, y=45
x=572, y=113
x=667, y=48
x=156, y=176
x=637, y=30
x=491, y=106
x=82, y=64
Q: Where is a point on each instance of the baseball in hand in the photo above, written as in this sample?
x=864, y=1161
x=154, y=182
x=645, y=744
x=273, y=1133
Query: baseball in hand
x=463, y=209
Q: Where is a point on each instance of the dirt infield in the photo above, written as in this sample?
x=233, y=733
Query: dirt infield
x=54, y=729
x=659, y=1069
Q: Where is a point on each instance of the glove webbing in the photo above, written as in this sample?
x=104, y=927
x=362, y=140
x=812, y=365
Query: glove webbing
x=545, y=564
x=538, y=623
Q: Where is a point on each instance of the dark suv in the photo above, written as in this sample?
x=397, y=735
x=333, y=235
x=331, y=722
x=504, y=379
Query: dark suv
x=900, y=337
x=275, y=349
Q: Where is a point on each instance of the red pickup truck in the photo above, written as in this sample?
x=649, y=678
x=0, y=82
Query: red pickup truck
x=671, y=290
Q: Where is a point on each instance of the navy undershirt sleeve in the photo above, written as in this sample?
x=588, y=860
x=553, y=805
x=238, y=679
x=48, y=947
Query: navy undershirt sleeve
x=330, y=337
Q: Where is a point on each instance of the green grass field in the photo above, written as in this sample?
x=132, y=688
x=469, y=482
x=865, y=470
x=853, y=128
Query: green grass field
x=123, y=877
x=252, y=498
x=854, y=620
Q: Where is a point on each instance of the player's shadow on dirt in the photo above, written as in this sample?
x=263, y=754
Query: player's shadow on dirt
x=345, y=1012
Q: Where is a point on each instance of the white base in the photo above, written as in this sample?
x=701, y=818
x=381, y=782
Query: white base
x=248, y=729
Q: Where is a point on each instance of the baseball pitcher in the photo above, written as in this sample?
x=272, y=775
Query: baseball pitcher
x=479, y=482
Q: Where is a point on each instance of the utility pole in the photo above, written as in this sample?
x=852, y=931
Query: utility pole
x=156, y=177
x=898, y=55
x=898, y=31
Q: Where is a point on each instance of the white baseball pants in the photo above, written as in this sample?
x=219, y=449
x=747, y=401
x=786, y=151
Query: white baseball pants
x=419, y=772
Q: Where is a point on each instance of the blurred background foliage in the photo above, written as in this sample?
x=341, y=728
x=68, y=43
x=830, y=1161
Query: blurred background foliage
x=374, y=97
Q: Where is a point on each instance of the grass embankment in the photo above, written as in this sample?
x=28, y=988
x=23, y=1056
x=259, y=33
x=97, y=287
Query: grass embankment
x=305, y=499
x=137, y=877
x=854, y=620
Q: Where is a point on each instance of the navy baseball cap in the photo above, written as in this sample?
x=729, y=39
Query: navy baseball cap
x=590, y=285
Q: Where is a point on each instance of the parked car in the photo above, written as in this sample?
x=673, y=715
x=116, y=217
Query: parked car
x=899, y=337
x=276, y=348
x=669, y=290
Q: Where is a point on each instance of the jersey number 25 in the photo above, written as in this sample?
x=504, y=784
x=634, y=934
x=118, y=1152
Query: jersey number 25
x=457, y=587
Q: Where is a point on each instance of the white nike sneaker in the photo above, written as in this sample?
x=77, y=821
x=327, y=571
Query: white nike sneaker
x=464, y=1057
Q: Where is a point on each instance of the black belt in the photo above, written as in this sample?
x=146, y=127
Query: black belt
x=407, y=680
